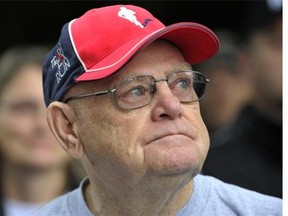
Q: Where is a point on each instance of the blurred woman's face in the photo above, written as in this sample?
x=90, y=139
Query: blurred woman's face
x=25, y=138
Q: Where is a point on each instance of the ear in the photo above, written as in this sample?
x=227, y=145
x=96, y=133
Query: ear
x=62, y=121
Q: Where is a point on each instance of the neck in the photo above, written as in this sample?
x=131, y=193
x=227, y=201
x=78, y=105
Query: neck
x=157, y=197
x=33, y=186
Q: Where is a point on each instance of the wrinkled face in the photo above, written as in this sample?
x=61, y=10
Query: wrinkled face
x=163, y=138
x=25, y=138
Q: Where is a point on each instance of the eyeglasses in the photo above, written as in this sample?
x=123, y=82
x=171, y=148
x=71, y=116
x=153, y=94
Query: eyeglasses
x=137, y=91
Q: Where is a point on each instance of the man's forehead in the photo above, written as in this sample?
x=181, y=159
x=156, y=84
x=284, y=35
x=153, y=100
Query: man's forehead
x=135, y=67
x=122, y=73
x=140, y=65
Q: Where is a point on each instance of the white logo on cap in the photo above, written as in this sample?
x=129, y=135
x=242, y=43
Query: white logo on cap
x=61, y=62
x=129, y=15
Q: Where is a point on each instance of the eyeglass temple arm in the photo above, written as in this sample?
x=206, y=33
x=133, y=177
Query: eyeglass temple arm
x=89, y=95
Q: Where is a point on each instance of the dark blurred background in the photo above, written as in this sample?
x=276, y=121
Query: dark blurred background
x=41, y=21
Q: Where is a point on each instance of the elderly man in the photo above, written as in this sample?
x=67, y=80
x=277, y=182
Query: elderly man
x=122, y=97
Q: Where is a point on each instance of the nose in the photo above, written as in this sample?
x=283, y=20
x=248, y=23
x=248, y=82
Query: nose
x=165, y=105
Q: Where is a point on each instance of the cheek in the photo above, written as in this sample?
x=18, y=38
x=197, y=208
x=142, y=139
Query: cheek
x=113, y=131
x=205, y=139
x=202, y=132
x=112, y=144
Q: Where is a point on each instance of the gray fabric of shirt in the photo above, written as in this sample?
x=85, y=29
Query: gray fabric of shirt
x=210, y=197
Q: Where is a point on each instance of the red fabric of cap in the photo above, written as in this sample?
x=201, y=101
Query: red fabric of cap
x=105, y=39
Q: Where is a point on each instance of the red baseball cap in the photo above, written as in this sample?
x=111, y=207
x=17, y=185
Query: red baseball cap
x=102, y=40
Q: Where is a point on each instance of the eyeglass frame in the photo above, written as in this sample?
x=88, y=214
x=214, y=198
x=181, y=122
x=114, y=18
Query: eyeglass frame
x=113, y=90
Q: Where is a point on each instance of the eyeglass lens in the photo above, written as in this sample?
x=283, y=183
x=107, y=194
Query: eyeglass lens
x=134, y=92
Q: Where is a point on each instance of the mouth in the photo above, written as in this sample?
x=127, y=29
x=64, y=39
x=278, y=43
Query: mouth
x=178, y=132
x=176, y=139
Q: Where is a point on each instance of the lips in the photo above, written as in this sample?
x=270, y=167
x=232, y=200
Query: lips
x=168, y=133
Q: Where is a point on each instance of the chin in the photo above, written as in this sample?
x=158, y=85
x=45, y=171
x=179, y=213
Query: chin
x=177, y=159
x=179, y=166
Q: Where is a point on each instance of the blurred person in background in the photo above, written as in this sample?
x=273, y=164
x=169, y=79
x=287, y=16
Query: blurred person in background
x=222, y=102
x=34, y=168
x=250, y=151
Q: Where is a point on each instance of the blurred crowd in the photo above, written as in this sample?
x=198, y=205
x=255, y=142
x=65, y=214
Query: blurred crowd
x=243, y=105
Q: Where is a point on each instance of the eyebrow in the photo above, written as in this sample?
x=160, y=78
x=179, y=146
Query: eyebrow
x=177, y=67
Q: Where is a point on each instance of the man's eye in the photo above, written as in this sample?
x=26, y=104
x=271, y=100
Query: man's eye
x=133, y=96
x=183, y=84
x=136, y=91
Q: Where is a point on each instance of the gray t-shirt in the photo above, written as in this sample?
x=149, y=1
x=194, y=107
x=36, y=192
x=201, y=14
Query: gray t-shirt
x=210, y=197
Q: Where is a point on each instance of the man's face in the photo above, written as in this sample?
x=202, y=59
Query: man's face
x=163, y=138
